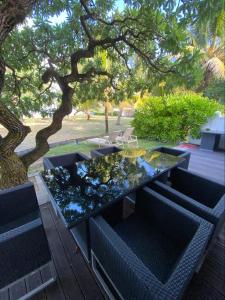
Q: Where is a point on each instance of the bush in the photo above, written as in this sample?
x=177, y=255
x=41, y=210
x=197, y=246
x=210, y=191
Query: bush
x=173, y=117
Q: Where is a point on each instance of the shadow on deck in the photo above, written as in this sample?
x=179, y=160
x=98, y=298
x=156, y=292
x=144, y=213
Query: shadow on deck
x=75, y=279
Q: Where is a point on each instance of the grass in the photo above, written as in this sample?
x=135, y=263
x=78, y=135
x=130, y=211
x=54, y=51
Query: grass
x=86, y=148
x=73, y=127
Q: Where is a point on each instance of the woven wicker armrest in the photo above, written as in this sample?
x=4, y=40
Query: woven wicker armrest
x=12, y=233
x=135, y=279
x=63, y=160
x=16, y=202
x=207, y=196
x=177, y=152
x=22, y=250
x=104, y=151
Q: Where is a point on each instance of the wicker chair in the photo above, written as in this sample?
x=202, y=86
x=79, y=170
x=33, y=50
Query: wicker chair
x=64, y=160
x=24, y=249
x=104, y=151
x=153, y=253
x=200, y=195
x=177, y=152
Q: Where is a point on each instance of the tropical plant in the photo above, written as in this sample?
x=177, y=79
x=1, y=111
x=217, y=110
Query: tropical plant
x=173, y=117
x=207, y=35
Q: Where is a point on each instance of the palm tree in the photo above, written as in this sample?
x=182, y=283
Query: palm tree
x=209, y=38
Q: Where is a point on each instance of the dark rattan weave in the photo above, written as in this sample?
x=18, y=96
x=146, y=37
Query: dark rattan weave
x=142, y=266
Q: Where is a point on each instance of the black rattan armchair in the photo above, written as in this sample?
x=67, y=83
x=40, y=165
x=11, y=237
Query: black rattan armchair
x=200, y=195
x=104, y=151
x=24, y=249
x=64, y=160
x=177, y=152
x=153, y=253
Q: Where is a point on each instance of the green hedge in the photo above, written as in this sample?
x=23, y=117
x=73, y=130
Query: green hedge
x=173, y=117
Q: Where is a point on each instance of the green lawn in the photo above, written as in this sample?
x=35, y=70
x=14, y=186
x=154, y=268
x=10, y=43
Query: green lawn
x=86, y=148
x=72, y=128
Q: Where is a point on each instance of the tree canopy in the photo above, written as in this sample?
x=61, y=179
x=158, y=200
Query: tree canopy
x=65, y=44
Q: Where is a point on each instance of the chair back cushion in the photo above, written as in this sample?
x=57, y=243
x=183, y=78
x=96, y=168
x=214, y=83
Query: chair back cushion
x=17, y=201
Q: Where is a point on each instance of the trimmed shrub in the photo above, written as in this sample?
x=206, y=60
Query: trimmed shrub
x=173, y=117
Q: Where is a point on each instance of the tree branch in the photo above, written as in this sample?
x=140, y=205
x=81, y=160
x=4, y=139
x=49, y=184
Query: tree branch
x=11, y=14
x=64, y=109
x=111, y=23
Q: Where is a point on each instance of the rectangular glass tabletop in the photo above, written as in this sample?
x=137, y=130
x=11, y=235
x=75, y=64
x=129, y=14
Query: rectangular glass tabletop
x=87, y=187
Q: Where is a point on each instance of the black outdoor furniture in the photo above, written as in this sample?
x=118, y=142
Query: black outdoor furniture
x=104, y=151
x=177, y=152
x=210, y=140
x=94, y=185
x=200, y=195
x=153, y=253
x=24, y=249
x=64, y=160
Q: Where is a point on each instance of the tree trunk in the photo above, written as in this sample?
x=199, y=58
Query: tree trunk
x=106, y=119
x=88, y=115
x=42, y=135
x=206, y=81
x=11, y=14
x=119, y=117
x=12, y=171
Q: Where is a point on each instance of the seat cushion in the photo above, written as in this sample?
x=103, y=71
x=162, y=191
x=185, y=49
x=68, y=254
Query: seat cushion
x=157, y=251
x=22, y=254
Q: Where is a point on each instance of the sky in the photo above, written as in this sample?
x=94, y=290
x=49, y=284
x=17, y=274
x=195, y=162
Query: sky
x=59, y=19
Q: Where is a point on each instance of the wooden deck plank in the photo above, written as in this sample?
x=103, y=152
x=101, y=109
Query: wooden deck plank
x=81, y=271
x=54, y=291
x=198, y=162
x=67, y=279
x=208, y=164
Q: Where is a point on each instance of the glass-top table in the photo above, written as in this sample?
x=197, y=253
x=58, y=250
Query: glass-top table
x=87, y=187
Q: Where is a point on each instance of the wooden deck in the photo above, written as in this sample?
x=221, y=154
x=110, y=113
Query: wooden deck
x=209, y=164
x=76, y=281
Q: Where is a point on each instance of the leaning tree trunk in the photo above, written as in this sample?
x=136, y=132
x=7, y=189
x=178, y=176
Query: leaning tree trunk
x=119, y=117
x=88, y=115
x=106, y=118
x=12, y=171
x=205, y=82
